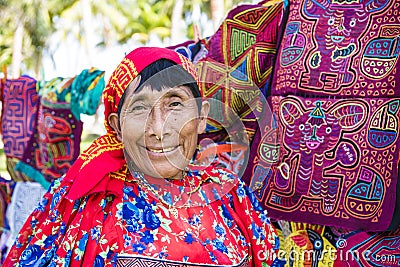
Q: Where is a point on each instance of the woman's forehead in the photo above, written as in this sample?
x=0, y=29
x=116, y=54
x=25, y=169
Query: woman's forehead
x=164, y=92
x=151, y=94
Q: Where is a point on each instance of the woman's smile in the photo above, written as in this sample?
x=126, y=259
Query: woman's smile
x=170, y=123
x=161, y=150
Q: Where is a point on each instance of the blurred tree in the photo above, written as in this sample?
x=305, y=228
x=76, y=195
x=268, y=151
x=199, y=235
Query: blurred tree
x=214, y=10
x=28, y=28
x=30, y=24
x=217, y=9
x=113, y=22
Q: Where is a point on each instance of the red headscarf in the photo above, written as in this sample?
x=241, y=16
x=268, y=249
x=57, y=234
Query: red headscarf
x=104, y=159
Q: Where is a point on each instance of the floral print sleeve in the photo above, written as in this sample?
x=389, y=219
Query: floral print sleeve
x=31, y=244
x=262, y=237
x=57, y=231
x=123, y=221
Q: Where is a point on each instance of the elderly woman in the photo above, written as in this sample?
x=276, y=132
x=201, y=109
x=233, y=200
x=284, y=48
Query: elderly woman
x=133, y=199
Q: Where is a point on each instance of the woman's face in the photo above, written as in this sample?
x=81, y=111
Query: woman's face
x=159, y=129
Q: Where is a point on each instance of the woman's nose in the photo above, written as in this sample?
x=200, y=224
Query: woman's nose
x=156, y=123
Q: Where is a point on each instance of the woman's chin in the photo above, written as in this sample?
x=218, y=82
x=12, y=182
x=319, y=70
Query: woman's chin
x=161, y=167
x=167, y=172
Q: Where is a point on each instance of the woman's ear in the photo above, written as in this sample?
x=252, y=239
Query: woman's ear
x=113, y=120
x=205, y=108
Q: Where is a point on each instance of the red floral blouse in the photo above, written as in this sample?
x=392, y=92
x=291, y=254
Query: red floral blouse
x=218, y=222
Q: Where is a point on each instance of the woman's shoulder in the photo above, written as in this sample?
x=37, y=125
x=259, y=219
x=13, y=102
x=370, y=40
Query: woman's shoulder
x=223, y=179
x=214, y=173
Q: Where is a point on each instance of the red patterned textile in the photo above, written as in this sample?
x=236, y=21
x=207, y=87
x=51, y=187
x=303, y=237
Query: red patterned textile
x=334, y=53
x=19, y=119
x=367, y=249
x=127, y=219
x=340, y=48
x=335, y=164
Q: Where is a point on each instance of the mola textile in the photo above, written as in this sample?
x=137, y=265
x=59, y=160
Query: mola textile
x=55, y=144
x=19, y=114
x=340, y=48
x=337, y=163
x=235, y=65
x=330, y=156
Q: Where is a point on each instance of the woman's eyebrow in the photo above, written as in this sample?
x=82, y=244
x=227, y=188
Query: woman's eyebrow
x=139, y=98
x=135, y=99
x=177, y=93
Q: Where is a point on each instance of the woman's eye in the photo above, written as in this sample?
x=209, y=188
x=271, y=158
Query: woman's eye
x=138, y=108
x=175, y=104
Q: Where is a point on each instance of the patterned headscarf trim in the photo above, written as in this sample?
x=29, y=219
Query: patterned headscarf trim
x=104, y=159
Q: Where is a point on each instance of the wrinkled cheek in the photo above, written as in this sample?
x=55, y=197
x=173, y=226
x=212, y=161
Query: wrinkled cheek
x=131, y=135
x=190, y=147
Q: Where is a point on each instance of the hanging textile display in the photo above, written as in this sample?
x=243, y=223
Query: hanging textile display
x=335, y=99
x=325, y=164
x=333, y=169
x=19, y=114
x=340, y=48
x=307, y=244
x=55, y=144
x=235, y=66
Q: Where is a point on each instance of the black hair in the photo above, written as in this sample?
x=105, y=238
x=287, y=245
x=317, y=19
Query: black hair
x=166, y=73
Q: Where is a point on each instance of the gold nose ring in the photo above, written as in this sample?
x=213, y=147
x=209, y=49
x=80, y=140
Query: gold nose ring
x=159, y=138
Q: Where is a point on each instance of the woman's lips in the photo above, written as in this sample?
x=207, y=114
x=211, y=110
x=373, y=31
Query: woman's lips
x=161, y=150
